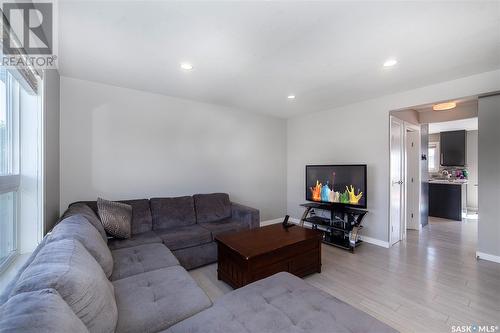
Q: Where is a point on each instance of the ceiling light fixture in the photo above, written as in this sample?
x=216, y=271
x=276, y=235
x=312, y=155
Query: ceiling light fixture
x=186, y=66
x=444, y=106
x=291, y=97
x=390, y=62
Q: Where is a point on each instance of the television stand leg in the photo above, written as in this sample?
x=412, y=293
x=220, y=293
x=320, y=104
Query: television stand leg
x=306, y=212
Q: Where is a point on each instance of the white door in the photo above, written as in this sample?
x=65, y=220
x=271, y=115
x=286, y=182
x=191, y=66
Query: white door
x=412, y=180
x=396, y=196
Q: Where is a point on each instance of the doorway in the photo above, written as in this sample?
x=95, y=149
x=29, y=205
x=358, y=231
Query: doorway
x=462, y=136
x=433, y=161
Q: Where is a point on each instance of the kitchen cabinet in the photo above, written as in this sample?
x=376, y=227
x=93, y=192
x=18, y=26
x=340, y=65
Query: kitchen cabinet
x=453, y=148
x=447, y=199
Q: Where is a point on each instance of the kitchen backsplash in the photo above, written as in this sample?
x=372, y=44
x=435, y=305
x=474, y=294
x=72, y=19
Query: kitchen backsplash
x=451, y=172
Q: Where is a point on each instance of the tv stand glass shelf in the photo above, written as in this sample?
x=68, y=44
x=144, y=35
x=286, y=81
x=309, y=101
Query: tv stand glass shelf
x=341, y=229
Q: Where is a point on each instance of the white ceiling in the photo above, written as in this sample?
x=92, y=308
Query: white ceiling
x=251, y=55
x=469, y=124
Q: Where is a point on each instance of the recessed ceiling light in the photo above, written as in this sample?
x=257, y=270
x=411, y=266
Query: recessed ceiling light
x=390, y=62
x=291, y=97
x=444, y=106
x=186, y=66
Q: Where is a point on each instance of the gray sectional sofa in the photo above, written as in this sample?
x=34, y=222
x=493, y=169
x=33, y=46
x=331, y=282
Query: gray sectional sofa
x=186, y=225
x=78, y=280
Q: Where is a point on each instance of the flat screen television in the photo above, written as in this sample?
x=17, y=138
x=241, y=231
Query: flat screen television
x=337, y=184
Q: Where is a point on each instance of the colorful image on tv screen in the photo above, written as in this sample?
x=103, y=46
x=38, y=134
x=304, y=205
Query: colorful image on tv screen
x=344, y=184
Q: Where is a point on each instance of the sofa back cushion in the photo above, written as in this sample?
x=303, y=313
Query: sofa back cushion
x=172, y=212
x=39, y=311
x=80, y=208
x=141, y=214
x=4, y=295
x=67, y=267
x=79, y=228
x=212, y=207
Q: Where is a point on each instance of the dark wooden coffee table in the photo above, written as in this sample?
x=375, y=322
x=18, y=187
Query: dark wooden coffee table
x=251, y=255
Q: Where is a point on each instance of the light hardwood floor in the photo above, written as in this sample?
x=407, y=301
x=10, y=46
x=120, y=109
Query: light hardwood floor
x=427, y=283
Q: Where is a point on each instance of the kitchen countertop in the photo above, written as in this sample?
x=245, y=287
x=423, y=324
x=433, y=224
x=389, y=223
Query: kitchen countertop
x=446, y=181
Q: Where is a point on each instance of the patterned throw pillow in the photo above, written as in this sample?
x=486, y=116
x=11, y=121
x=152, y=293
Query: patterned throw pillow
x=116, y=217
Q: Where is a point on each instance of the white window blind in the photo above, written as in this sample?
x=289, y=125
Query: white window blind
x=9, y=165
x=433, y=157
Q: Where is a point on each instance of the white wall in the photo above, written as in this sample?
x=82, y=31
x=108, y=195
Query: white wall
x=424, y=175
x=120, y=143
x=359, y=133
x=488, y=232
x=51, y=148
x=410, y=116
x=472, y=168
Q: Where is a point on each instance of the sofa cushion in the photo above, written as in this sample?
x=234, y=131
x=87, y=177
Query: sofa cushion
x=78, y=227
x=142, y=258
x=182, y=237
x=148, y=237
x=39, y=311
x=80, y=208
x=4, y=296
x=155, y=300
x=141, y=214
x=222, y=226
x=116, y=217
x=212, y=207
x=280, y=303
x=172, y=212
x=196, y=256
x=67, y=267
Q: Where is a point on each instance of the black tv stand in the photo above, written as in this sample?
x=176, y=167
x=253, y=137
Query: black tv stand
x=341, y=229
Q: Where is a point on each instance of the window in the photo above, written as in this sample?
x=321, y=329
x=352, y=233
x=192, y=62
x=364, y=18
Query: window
x=9, y=165
x=433, y=157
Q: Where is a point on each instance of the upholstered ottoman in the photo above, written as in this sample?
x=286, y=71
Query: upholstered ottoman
x=280, y=303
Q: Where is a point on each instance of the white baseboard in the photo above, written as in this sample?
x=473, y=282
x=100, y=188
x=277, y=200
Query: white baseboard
x=370, y=240
x=374, y=241
x=269, y=222
x=489, y=257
